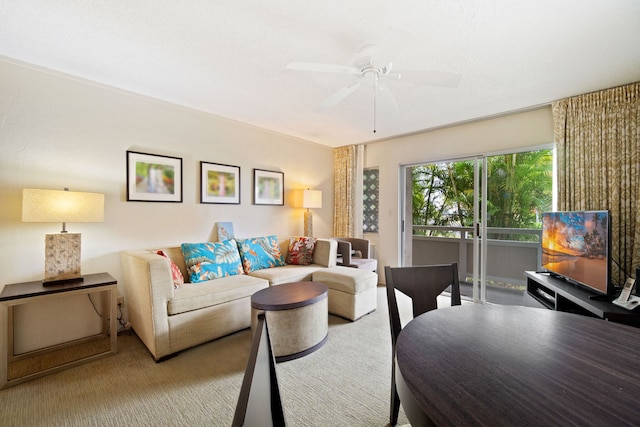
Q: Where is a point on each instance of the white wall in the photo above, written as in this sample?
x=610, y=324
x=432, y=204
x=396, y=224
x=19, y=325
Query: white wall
x=505, y=133
x=58, y=132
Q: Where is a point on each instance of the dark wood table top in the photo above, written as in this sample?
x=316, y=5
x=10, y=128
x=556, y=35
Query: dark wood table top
x=288, y=296
x=505, y=365
x=36, y=288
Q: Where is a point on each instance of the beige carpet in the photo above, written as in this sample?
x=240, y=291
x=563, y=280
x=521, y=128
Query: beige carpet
x=345, y=383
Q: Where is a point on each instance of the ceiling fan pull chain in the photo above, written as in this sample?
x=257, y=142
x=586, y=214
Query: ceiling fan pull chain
x=375, y=87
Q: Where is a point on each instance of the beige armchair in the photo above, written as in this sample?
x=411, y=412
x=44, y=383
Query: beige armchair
x=355, y=252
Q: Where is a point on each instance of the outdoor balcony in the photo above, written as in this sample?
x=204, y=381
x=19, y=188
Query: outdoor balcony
x=510, y=252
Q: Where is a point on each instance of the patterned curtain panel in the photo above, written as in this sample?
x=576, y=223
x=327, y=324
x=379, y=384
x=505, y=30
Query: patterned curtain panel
x=597, y=139
x=345, y=175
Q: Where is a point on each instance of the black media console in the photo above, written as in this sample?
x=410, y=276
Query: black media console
x=557, y=294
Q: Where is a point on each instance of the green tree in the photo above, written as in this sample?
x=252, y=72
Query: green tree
x=518, y=190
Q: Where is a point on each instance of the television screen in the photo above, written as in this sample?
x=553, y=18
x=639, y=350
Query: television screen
x=576, y=246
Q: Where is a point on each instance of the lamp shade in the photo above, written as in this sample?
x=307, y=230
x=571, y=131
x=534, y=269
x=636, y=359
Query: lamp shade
x=61, y=206
x=311, y=199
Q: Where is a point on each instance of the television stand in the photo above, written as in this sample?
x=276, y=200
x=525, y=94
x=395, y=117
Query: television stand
x=557, y=294
x=601, y=298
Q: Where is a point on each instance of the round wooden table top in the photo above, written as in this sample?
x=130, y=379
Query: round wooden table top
x=288, y=296
x=512, y=365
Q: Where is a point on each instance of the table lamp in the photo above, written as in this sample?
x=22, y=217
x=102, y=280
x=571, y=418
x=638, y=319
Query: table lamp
x=62, y=250
x=311, y=199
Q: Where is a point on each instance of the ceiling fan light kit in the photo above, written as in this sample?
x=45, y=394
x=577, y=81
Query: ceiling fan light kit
x=372, y=65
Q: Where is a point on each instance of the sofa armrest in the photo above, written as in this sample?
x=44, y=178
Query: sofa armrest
x=148, y=287
x=325, y=252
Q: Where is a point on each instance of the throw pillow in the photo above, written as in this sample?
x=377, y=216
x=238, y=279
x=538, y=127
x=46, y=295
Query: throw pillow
x=301, y=250
x=176, y=274
x=208, y=261
x=260, y=252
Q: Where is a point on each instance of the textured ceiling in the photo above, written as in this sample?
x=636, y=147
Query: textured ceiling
x=228, y=57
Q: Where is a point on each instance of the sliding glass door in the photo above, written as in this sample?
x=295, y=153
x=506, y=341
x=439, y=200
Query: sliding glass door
x=446, y=220
x=441, y=217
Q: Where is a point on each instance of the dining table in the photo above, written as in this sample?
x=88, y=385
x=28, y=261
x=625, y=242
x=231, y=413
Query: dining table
x=498, y=365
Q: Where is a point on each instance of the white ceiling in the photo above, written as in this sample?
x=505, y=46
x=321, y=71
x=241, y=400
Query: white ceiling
x=228, y=57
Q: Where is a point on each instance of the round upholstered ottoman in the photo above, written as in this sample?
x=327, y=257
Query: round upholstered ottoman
x=297, y=317
x=352, y=291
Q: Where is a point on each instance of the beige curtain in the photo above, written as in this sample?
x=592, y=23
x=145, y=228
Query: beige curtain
x=347, y=207
x=597, y=139
x=358, y=187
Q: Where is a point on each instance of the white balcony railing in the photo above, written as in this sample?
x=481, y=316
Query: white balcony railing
x=507, y=258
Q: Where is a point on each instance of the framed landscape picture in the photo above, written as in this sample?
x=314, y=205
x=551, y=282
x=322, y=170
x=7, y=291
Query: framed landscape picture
x=153, y=178
x=219, y=183
x=268, y=187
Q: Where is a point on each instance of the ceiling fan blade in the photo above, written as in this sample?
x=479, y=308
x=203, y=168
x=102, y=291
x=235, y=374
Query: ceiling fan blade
x=386, y=102
x=337, y=97
x=325, y=68
x=427, y=77
x=392, y=44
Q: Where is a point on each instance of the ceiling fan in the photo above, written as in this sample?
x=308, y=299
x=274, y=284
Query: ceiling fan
x=372, y=65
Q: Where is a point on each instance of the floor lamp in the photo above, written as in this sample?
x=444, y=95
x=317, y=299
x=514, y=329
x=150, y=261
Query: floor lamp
x=62, y=250
x=311, y=199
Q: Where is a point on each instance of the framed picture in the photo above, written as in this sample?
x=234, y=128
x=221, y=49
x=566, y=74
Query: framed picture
x=268, y=187
x=225, y=231
x=219, y=183
x=153, y=178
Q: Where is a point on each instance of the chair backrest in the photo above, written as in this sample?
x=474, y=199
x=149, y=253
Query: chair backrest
x=361, y=247
x=344, y=251
x=355, y=252
x=422, y=284
x=259, y=403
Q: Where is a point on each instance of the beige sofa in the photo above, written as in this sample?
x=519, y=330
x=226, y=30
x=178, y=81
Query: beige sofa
x=168, y=320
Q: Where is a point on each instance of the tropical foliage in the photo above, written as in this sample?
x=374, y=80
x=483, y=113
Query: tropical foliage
x=519, y=189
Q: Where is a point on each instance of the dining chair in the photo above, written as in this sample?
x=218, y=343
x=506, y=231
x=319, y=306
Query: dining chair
x=422, y=284
x=259, y=402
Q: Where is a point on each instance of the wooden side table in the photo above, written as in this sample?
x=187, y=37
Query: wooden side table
x=18, y=368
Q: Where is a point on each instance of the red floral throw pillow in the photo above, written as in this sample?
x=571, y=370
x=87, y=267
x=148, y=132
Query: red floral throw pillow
x=176, y=274
x=301, y=250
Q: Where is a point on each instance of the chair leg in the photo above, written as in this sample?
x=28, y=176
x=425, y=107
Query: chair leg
x=395, y=399
x=395, y=406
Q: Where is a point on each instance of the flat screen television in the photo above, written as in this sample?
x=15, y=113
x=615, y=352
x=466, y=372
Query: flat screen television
x=576, y=245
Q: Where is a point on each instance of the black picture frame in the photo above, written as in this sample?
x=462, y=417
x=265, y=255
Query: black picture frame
x=219, y=183
x=153, y=178
x=268, y=187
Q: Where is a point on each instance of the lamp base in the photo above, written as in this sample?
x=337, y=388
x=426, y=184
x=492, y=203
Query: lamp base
x=62, y=258
x=308, y=223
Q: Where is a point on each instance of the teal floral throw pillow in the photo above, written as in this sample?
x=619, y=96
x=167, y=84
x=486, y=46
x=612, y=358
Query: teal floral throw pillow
x=208, y=261
x=259, y=253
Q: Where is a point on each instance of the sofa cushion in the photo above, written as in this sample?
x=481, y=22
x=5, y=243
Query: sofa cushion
x=260, y=252
x=210, y=260
x=192, y=296
x=176, y=274
x=300, y=251
x=287, y=273
x=346, y=279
